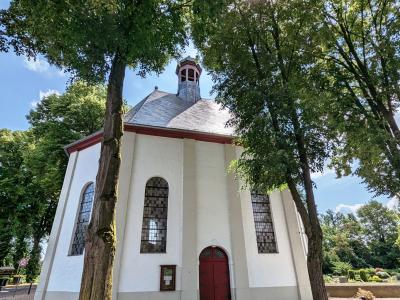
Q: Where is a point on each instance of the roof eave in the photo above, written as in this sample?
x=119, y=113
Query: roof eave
x=151, y=130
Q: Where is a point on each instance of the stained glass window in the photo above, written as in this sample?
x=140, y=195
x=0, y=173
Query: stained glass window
x=266, y=241
x=85, y=210
x=155, y=213
x=206, y=252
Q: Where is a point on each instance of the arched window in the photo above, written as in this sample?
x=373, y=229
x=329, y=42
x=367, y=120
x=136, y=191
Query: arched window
x=191, y=75
x=85, y=210
x=183, y=75
x=155, y=213
x=266, y=242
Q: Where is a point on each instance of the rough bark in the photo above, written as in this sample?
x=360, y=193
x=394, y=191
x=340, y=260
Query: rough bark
x=314, y=255
x=101, y=236
x=314, y=263
x=313, y=231
x=313, y=228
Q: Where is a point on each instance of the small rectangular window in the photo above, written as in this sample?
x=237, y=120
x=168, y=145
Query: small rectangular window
x=266, y=242
x=183, y=75
x=191, y=75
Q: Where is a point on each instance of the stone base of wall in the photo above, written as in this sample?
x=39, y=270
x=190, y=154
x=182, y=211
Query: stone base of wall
x=267, y=293
x=380, y=290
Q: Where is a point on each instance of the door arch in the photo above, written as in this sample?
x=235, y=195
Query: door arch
x=214, y=274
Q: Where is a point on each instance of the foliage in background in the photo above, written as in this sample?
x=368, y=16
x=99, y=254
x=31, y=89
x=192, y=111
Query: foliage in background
x=365, y=241
x=32, y=168
x=13, y=207
x=380, y=232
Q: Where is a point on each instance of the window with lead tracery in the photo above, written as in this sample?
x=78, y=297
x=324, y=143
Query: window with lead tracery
x=266, y=241
x=155, y=213
x=85, y=210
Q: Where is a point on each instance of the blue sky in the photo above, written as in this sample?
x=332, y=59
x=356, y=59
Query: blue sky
x=23, y=83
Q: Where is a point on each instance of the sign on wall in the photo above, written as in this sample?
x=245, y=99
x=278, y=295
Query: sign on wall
x=167, y=277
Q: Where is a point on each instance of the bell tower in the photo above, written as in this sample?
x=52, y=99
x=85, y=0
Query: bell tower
x=188, y=72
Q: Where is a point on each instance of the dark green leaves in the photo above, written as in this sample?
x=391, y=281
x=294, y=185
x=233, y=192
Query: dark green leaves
x=83, y=36
x=259, y=56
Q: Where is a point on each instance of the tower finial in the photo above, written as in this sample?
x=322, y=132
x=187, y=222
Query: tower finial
x=188, y=71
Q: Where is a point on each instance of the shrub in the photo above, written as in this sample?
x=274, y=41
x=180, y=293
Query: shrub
x=363, y=275
x=370, y=271
x=328, y=279
x=341, y=268
x=391, y=272
x=352, y=275
x=382, y=275
x=375, y=278
x=364, y=294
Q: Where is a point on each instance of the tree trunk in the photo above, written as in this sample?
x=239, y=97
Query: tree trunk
x=393, y=125
x=312, y=225
x=33, y=267
x=313, y=231
x=101, y=236
x=309, y=215
x=314, y=264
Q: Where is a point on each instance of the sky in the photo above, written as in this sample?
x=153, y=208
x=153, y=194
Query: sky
x=23, y=83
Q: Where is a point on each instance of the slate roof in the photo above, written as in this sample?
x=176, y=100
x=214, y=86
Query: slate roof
x=166, y=110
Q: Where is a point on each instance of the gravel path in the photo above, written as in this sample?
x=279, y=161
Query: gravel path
x=20, y=294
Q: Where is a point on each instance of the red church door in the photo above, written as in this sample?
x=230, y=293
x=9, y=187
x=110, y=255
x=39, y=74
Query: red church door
x=214, y=275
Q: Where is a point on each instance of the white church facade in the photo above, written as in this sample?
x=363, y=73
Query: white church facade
x=186, y=229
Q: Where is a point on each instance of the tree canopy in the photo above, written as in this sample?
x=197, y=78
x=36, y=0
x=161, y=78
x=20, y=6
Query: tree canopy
x=83, y=37
x=93, y=39
x=358, y=60
x=33, y=164
x=259, y=56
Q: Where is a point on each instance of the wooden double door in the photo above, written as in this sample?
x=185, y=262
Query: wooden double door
x=214, y=275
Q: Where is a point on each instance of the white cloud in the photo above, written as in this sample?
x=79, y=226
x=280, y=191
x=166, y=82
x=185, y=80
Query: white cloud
x=43, y=94
x=393, y=203
x=38, y=65
x=42, y=66
x=348, y=207
x=34, y=104
x=48, y=93
x=325, y=172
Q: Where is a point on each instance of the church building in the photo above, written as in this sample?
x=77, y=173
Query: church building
x=186, y=227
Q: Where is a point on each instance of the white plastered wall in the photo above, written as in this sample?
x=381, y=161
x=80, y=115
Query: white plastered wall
x=212, y=199
x=268, y=269
x=158, y=156
x=67, y=270
x=153, y=156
